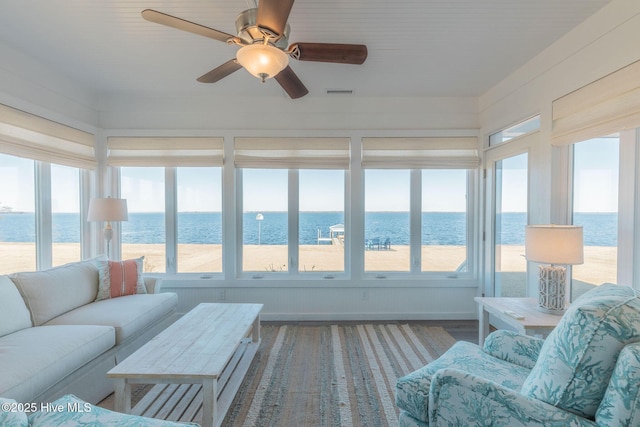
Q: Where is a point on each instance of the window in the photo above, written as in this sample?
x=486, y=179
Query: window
x=173, y=189
x=444, y=220
x=520, y=129
x=199, y=219
x=321, y=226
x=17, y=215
x=145, y=232
x=595, y=207
x=387, y=220
x=402, y=235
x=265, y=228
x=42, y=162
x=65, y=217
x=292, y=203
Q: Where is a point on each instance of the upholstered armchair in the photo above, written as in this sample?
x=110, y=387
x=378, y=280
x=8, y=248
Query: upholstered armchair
x=586, y=373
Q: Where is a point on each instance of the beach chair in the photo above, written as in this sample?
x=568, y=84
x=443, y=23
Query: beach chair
x=374, y=244
x=386, y=245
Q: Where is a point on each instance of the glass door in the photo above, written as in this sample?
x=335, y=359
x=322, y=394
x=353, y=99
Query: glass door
x=506, y=216
x=510, y=218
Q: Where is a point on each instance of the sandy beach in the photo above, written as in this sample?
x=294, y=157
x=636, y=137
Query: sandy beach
x=597, y=269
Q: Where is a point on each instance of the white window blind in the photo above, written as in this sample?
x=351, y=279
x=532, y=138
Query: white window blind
x=165, y=151
x=420, y=153
x=26, y=135
x=292, y=153
x=608, y=105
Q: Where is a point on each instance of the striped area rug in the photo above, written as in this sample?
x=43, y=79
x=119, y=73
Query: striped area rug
x=332, y=375
x=315, y=376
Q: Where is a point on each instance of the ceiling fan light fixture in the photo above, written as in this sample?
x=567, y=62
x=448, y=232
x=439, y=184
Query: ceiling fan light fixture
x=262, y=60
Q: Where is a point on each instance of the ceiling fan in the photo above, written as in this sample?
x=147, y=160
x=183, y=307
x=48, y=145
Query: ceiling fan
x=263, y=35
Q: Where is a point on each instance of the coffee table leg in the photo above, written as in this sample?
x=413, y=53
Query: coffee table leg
x=210, y=403
x=123, y=396
x=256, y=330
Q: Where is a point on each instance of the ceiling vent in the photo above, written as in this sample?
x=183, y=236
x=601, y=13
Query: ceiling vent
x=339, y=91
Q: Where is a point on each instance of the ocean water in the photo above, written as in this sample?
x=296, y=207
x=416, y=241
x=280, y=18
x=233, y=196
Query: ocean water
x=439, y=228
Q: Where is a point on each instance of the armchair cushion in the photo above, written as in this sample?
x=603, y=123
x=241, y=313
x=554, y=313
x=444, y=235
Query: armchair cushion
x=577, y=359
x=522, y=350
x=412, y=390
x=621, y=403
x=10, y=415
x=459, y=398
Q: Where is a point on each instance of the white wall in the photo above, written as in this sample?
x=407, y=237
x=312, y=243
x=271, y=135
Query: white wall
x=602, y=44
x=280, y=113
x=605, y=42
x=31, y=86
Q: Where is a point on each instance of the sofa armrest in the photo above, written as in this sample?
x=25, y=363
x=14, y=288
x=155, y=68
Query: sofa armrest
x=153, y=284
x=621, y=403
x=460, y=398
x=512, y=347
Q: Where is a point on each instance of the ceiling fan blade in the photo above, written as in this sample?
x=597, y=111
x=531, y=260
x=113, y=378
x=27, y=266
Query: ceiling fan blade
x=220, y=72
x=291, y=83
x=273, y=14
x=329, y=52
x=181, y=24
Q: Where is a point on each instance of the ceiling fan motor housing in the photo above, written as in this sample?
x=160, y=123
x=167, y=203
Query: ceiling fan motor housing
x=251, y=33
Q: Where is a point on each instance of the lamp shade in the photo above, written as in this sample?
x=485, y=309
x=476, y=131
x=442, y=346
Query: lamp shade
x=107, y=209
x=262, y=60
x=554, y=244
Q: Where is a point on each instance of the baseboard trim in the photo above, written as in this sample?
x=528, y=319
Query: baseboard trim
x=367, y=316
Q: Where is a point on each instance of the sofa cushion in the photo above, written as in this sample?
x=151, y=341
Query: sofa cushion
x=129, y=315
x=14, y=314
x=412, y=391
x=10, y=416
x=120, y=278
x=578, y=357
x=34, y=359
x=76, y=412
x=49, y=293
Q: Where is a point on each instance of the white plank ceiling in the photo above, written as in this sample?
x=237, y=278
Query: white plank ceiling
x=416, y=47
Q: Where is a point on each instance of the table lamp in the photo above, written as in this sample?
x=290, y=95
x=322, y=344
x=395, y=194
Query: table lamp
x=107, y=210
x=556, y=246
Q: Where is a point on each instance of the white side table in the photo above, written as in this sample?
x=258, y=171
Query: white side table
x=532, y=322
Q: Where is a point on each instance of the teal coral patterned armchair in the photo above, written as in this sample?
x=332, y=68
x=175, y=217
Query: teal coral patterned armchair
x=586, y=373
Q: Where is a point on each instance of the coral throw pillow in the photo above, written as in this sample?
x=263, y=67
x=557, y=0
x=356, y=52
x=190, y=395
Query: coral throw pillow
x=120, y=278
x=124, y=277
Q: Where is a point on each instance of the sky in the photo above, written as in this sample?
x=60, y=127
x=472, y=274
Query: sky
x=595, y=188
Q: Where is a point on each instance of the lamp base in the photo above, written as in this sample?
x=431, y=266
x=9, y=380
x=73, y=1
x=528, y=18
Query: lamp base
x=552, y=289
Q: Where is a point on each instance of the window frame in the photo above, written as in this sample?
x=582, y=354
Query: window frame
x=232, y=214
x=415, y=226
x=492, y=142
x=171, y=226
x=43, y=213
x=293, y=235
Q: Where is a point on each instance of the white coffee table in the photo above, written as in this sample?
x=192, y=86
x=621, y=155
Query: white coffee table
x=533, y=322
x=212, y=345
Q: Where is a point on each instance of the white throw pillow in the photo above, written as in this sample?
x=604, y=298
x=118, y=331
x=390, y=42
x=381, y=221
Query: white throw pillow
x=14, y=314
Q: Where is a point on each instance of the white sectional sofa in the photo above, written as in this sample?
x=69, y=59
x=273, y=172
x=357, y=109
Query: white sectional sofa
x=56, y=339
